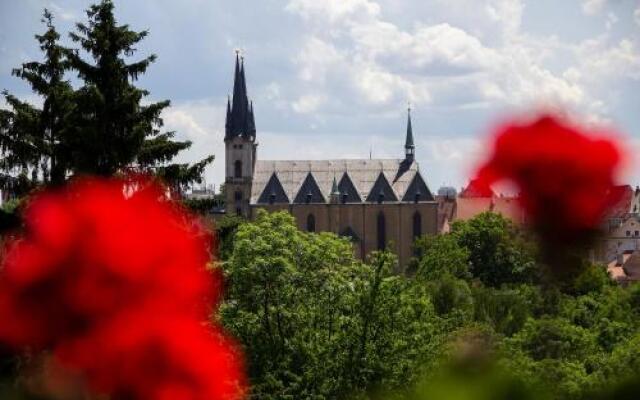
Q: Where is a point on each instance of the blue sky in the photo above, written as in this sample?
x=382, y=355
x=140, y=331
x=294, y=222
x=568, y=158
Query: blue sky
x=332, y=78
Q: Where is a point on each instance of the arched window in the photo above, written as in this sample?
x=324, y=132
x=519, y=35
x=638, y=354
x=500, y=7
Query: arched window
x=417, y=225
x=237, y=195
x=311, y=223
x=237, y=171
x=382, y=231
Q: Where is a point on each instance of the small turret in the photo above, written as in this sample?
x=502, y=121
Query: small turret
x=335, y=192
x=409, y=147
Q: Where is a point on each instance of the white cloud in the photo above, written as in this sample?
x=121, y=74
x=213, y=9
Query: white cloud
x=63, y=13
x=437, y=64
x=334, y=11
x=592, y=7
x=636, y=15
x=201, y=122
x=308, y=103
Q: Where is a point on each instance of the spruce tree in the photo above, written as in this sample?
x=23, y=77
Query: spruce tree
x=115, y=131
x=32, y=140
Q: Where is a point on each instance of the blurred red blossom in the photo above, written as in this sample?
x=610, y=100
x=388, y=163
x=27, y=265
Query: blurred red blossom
x=565, y=175
x=113, y=278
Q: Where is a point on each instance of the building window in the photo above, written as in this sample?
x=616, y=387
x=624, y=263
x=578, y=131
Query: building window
x=417, y=197
x=237, y=195
x=381, y=197
x=382, y=231
x=417, y=225
x=628, y=233
x=635, y=233
x=309, y=197
x=238, y=211
x=311, y=223
x=272, y=198
x=238, y=169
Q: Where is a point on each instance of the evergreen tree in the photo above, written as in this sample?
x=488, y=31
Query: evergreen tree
x=32, y=139
x=114, y=130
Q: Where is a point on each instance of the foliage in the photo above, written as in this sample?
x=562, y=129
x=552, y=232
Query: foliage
x=441, y=255
x=497, y=254
x=105, y=127
x=316, y=323
x=226, y=228
x=33, y=140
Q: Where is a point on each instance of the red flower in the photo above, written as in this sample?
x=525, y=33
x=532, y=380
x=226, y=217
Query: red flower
x=564, y=176
x=147, y=356
x=97, y=251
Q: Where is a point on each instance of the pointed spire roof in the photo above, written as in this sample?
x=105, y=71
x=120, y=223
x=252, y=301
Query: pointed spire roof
x=240, y=120
x=409, y=141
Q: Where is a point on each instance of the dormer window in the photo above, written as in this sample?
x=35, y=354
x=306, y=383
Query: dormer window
x=416, y=197
x=309, y=197
x=272, y=198
x=380, y=197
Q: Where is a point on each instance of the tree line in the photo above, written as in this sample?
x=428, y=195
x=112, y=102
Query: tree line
x=476, y=318
x=102, y=126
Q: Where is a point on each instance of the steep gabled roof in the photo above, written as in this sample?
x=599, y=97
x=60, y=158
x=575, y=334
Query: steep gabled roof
x=273, y=192
x=348, y=191
x=418, y=190
x=363, y=173
x=381, y=191
x=309, y=192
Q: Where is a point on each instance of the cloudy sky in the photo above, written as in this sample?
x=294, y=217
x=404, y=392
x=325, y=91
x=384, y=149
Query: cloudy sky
x=332, y=78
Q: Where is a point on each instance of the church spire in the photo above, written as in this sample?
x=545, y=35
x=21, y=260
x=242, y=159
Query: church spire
x=409, y=147
x=240, y=117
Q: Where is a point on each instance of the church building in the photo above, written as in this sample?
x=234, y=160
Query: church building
x=376, y=203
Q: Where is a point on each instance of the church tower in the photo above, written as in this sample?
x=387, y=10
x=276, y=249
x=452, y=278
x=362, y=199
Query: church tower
x=240, y=145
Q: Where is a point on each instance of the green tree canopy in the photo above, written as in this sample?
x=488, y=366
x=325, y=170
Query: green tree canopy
x=32, y=139
x=497, y=252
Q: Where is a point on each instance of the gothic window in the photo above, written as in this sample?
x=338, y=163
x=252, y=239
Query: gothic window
x=238, y=169
x=417, y=225
x=311, y=223
x=382, y=231
x=237, y=195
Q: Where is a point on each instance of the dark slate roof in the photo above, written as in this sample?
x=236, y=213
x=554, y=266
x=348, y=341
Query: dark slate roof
x=240, y=118
x=381, y=191
x=362, y=173
x=309, y=191
x=348, y=191
x=273, y=192
x=409, y=140
x=418, y=190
